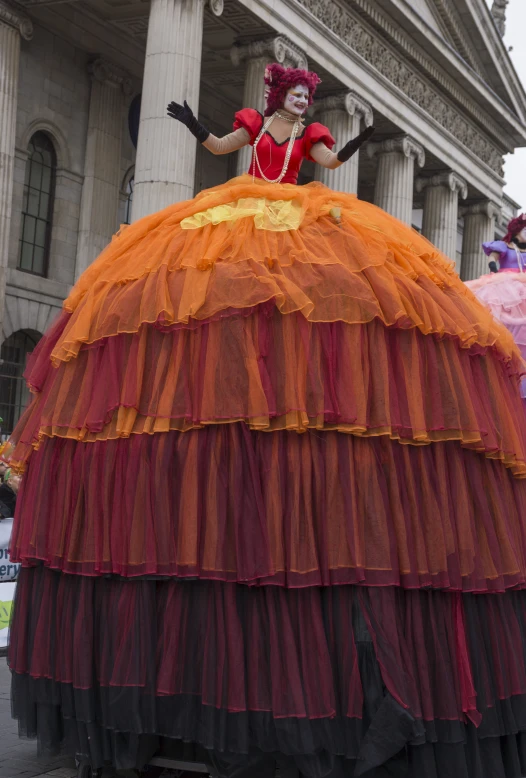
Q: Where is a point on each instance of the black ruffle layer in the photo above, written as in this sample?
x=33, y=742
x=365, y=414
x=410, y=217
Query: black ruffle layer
x=392, y=682
x=240, y=745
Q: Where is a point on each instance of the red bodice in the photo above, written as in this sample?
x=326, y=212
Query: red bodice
x=271, y=154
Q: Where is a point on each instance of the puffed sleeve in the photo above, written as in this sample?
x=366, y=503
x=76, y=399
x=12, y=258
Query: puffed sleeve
x=497, y=247
x=317, y=133
x=250, y=120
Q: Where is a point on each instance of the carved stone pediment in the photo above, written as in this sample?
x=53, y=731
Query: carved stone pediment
x=361, y=38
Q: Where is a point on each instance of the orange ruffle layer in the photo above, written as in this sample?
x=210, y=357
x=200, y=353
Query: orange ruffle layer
x=360, y=266
x=279, y=372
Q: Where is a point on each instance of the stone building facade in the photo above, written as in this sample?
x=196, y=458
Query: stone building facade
x=75, y=160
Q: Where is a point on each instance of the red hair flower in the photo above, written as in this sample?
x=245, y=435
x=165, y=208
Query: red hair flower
x=514, y=227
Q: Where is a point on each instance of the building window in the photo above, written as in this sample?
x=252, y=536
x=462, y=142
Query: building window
x=134, y=117
x=129, y=200
x=14, y=393
x=37, y=208
x=460, y=240
x=417, y=219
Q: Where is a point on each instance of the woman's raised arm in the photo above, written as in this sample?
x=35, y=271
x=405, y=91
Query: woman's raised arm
x=225, y=145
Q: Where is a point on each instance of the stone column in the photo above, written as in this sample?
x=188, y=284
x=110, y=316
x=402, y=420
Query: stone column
x=343, y=115
x=440, y=225
x=13, y=25
x=258, y=55
x=395, y=175
x=165, y=162
x=479, y=228
x=99, y=205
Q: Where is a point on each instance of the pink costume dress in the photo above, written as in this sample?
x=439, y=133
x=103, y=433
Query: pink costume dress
x=504, y=293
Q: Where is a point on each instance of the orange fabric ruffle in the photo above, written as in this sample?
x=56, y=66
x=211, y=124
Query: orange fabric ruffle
x=356, y=266
x=279, y=372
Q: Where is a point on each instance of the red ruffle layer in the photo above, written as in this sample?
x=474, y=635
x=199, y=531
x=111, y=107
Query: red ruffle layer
x=296, y=510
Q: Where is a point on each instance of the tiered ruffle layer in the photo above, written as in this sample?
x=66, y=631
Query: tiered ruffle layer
x=326, y=675
x=279, y=372
x=358, y=267
x=297, y=510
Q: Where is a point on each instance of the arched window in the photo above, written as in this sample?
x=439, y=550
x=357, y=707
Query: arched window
x=37, y=208
x=14, y=394
x=129, y=200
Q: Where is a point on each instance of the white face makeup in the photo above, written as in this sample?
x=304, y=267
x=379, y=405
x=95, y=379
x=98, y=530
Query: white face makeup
x=521, y=237
x=297, y=100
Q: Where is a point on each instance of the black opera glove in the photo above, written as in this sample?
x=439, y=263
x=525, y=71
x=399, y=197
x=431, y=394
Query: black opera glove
x=352, y=147
x=183, y=113
x=493, y=267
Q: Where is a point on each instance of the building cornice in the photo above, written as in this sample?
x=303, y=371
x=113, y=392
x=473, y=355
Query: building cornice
x=451, y=20
x=428, y=67
x=487, y=31
x=461, y=60
x=355, y=34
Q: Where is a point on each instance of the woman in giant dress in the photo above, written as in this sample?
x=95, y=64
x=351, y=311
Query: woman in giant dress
x=287, y=516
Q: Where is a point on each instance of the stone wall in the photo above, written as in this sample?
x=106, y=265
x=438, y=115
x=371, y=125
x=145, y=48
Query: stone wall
x=53, y=97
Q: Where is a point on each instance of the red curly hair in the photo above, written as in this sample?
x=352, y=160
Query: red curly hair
x=514, y=227
x=279, y=80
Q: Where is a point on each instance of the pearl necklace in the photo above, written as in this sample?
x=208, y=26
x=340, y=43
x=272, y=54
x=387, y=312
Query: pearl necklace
x=255, y=158
x=287, y=119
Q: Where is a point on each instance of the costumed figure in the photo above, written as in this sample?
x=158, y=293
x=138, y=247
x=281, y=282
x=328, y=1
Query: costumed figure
x=503, y=290
x=273, y=507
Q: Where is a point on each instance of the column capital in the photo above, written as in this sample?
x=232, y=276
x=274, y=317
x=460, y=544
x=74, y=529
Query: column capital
x=109, y=74
x=485, y=207
x=448, y=179
x=403, y=144
x=14, y=16
x=348, y=102
x=277, y=48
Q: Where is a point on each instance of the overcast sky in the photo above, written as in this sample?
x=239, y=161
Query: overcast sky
x=515, y=169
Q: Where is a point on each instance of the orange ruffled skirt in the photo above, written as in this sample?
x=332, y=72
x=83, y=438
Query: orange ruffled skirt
x=272, y=387
x=281, y=308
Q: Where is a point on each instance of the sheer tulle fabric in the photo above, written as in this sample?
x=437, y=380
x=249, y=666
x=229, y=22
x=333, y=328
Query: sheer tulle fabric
x=212, y=338
x=450, y=720
x=291, y=653
x=278, y=372
x=505, y=295
x=304, y=654
x=242, y=745
x=363, y=266
x=295, y=510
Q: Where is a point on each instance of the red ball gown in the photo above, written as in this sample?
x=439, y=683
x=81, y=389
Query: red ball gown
x=274, y=498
